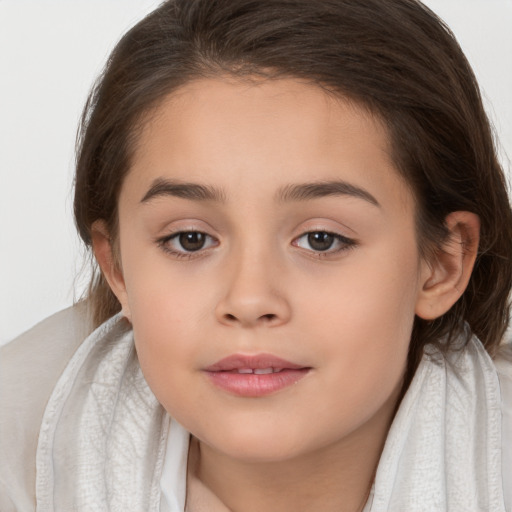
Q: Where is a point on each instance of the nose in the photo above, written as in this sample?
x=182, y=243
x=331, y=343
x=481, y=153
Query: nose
x=254, y=294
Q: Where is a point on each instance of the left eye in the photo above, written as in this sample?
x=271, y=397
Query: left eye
x=323, y=241
x=188, y=241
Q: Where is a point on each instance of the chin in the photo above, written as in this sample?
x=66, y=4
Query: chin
x=259, y=453
x=257, y=444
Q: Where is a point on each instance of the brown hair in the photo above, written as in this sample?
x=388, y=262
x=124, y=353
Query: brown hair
x=395, y=57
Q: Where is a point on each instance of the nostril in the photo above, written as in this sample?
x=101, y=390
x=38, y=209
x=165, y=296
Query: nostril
x=269, y=317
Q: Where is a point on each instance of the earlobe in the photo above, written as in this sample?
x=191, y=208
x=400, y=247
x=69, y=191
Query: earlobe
x=110, y=267
x=444, y=280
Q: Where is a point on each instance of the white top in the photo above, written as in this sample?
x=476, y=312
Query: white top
x=88, y=433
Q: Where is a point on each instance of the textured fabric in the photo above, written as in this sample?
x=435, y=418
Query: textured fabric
x=103, y=433
x=443, y=451
x=106, y=444
x=503, y=363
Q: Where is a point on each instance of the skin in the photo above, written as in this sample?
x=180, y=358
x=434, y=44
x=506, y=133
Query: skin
x=258, y=286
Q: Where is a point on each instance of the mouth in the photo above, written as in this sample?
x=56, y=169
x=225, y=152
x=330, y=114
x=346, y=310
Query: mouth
x=255, y=376
x=256, y=371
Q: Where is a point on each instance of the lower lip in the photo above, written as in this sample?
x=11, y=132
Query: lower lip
x=254, y=385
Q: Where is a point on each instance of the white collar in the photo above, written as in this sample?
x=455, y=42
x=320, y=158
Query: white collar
x=174, y=474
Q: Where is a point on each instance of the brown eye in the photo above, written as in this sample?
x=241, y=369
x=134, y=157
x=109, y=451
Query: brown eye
x=320, y=240
x=192, y=240
x=324, y=242
x=186, y=243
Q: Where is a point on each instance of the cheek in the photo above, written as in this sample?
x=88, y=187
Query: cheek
x=367, y=314
x=161, y=293
x=163, y=310
x=163, y=319
x=372, y=293
x=167, y=354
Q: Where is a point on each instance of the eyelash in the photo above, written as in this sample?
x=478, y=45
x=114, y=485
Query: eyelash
x=344, y=243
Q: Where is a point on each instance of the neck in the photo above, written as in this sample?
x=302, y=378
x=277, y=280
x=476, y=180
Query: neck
x=337, y=477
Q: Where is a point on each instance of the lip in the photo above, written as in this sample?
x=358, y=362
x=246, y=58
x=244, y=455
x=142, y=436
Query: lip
x=234, y=374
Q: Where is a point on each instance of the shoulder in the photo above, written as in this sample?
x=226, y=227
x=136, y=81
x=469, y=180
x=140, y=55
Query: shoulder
x=503, y=363
x=30, y=366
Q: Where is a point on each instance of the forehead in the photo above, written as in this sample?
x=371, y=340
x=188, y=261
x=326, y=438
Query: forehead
x=261, y=135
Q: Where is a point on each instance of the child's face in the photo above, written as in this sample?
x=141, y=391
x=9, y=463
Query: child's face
x=300, y=246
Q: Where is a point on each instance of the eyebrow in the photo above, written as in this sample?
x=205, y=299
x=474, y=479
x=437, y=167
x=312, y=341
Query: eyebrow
x=318, y=189
x=163, y=187
x=294, y=192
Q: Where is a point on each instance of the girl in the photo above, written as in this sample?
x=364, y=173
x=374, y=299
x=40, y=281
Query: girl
x=305, y=247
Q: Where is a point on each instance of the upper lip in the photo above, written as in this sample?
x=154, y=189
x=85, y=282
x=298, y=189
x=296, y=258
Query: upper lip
x=258, y=361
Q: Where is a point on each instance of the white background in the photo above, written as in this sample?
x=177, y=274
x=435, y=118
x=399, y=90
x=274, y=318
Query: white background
x=50, y=53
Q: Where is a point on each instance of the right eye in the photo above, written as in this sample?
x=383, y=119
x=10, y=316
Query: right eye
x=186, y=242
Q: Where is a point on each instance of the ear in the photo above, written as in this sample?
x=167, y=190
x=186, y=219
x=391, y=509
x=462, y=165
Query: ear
x=109, y=264
x=444, y=280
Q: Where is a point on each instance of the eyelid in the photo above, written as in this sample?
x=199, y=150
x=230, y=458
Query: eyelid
x=327, y=224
